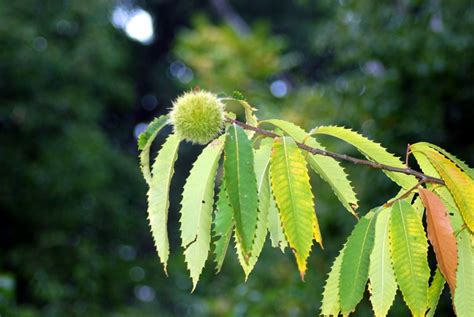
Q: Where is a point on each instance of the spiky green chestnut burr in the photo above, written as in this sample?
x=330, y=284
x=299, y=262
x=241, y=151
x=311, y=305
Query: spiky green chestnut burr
x=197, y=116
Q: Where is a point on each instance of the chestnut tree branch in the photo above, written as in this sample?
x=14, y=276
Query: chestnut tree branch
x=343, y=157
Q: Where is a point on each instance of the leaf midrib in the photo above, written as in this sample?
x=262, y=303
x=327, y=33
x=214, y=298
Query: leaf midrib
x=290, y=187
x=385, y=238
x=237, y=158
x=436, y=235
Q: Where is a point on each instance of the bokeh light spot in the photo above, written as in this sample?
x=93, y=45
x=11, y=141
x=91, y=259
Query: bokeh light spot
x=144, y=293
x=40, y=44
x=136, y=22
x=279, y=88
x=139, y=128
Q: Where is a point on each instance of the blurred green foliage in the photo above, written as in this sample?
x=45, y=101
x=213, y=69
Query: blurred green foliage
x=73, y=232
x=67, y=186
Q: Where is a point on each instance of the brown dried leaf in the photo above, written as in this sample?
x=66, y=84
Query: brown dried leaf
x=441, y=236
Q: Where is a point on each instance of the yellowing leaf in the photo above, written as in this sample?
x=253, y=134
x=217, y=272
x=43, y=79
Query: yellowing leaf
x=462, y=165
x=328, y=168
x=196, y=208
x=292, y=190
x=383, y=285
x=459, y=184
x=409, y=248
x=441, y=236
x=429, y=170
x=355, y=263
x=241, y=184
x=373, y=151
x=158, y=196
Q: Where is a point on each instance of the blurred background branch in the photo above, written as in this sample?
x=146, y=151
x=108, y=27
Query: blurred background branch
x=231, y=17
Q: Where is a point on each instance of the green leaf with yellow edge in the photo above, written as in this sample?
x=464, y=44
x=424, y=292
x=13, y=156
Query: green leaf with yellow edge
x=331, y=305
x=383, y=285
x=244, y=262
x=428, y=169
x=355, y=263
x=241, y=184
x=371, y=150
x=434, y=292
x=275, y=229
x=462, y=165
x=196, y=208
x=326, y=167
x=409, y=250
x=459, y=184
x=464, y=293
x=158, y=196
x=223, y=226
x=292, y=191
x=145, y=140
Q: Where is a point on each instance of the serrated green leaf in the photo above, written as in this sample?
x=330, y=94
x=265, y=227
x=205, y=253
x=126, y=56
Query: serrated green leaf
x=371, y=150
x=150, y=132
x=275, y=229
x=196, y=208
x=158, y=196
x=355, y=263
x=292, y=191
x=418, y=206
x=459, y=184
x=409, y=249
x=434, y=292
x=223, y=226
x=331, y=305
x=462, y=165
x=144, y=144
x=241, y=184
x=383, y=285
x=326, y=167
x=464, y=294
x=262, y=163
x=244, y=263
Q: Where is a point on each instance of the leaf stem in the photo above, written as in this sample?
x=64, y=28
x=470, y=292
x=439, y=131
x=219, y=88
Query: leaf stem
x=406, y=194
x=343, y=157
